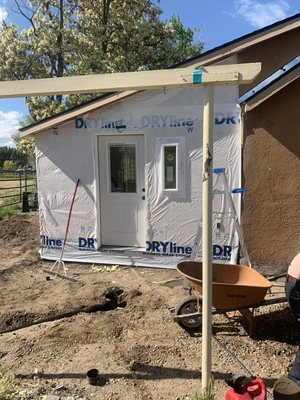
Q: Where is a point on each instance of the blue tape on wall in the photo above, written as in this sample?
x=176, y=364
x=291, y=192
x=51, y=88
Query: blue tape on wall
x=218, y=170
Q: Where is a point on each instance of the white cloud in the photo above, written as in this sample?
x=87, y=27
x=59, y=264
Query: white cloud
x=262, y=13
x=3, y=14
x=9, y=123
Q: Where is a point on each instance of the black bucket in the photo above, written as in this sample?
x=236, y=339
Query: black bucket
x=93, y=376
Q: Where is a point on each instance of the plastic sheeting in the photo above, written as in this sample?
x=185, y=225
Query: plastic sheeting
x=172, y=217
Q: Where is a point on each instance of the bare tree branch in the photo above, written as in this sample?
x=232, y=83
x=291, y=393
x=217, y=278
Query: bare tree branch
x=23, y=13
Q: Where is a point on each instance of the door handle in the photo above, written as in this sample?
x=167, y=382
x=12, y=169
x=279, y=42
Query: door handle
x=143, y=197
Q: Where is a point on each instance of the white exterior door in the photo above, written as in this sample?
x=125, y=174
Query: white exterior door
x=122, y=190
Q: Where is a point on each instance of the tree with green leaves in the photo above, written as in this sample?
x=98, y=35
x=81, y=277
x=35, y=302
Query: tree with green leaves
x=76, y=37
x=9, y=165
x=22, y=154
x=128, y=35
x=24, y=146
x=5, y=154
x=17, y=156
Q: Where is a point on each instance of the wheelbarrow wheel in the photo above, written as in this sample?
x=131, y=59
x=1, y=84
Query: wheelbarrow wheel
x=189, y=306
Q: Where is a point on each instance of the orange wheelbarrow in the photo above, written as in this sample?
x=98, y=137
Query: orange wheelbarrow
x=234, y=288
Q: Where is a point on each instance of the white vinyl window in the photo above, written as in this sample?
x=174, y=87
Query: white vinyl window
x=170, y=166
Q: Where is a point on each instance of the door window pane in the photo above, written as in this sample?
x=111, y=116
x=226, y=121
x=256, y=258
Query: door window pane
x=122, y=168
x=170, y=172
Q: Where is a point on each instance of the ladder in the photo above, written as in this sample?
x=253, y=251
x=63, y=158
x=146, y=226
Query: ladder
x=221, y=176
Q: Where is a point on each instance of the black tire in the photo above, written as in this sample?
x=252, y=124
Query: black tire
x=189, y=306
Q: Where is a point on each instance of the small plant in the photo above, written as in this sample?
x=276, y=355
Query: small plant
x=7, y=211
x=7, y=387
x=206, y=394
x=10, y=388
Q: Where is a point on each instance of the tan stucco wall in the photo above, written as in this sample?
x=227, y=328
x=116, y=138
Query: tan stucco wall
x=271, y=169
x=272, y=53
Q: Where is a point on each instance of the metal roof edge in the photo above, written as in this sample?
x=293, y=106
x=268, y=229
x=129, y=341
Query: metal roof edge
x=271, y=88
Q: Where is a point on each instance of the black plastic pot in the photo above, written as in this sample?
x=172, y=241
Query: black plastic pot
x=93, y=376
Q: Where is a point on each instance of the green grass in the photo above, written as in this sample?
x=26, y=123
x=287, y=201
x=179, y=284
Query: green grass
x=9, y=210
x=9, y=175
x=9, y=388
x=205, y=394
x=15, y=176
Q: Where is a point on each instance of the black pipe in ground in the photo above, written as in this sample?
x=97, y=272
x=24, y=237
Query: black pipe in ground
x=106, y=305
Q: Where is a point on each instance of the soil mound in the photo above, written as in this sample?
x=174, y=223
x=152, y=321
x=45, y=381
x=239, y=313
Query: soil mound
x=20, y=226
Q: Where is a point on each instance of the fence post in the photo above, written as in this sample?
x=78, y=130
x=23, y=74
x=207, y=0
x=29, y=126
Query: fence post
x=25, y=202
x=25, y=177
x=20, y=179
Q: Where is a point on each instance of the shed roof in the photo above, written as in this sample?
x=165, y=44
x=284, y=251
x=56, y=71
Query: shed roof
x=214, y=55
x=234, y=46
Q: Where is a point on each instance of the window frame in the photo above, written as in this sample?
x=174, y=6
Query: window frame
x=180, y=143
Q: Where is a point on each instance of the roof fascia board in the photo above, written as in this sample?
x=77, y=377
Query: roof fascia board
x=248, y=41
x=41, y=126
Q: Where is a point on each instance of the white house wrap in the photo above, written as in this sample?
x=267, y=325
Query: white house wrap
x=139, y=161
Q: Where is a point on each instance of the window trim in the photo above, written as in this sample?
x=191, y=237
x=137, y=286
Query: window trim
x=180, y=142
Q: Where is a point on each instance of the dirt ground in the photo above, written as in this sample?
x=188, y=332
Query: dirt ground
x=140, y=352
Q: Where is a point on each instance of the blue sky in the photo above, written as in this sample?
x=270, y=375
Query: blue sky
x=219, y=21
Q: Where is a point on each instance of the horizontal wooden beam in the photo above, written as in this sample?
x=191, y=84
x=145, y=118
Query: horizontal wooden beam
x=142, y=80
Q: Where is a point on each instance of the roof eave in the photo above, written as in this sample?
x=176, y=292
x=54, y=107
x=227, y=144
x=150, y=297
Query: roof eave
x=235, y=46
x=72, y=113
